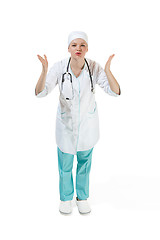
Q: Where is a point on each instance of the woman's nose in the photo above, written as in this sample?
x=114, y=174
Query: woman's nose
x=78, y=47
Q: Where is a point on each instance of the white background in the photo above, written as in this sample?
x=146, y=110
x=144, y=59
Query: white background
x=125, y=174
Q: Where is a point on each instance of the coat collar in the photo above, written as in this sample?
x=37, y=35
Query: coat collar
x=85, y=65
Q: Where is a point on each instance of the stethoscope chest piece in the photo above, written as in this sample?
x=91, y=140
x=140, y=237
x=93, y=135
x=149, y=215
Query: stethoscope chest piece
x=93, y=91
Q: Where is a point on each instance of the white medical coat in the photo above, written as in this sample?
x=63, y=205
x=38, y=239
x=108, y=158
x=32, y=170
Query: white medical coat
x=77, y=121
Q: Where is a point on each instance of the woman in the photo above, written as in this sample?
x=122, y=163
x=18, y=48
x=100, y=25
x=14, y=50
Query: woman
x=77, y=124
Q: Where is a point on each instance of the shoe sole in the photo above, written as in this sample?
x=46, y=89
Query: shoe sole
x=84, y=213
x=63, y=213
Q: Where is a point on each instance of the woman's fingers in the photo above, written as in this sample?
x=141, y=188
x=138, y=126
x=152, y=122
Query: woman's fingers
x=45, y=58
x=108, y=63
x=112, y=55
x=110, y=58
x=40, y=58
x=43, y=61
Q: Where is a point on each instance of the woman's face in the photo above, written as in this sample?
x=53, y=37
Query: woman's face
x=78, y=48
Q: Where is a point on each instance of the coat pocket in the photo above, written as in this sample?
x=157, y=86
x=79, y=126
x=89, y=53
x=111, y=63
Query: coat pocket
x=60, y=114
x=93, y=111
x=65, y=118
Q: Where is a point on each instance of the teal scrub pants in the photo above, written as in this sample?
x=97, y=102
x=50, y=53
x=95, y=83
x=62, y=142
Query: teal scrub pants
x=65, y=165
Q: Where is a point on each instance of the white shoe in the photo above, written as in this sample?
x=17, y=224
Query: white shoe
x=65, y=207
x=83, y=206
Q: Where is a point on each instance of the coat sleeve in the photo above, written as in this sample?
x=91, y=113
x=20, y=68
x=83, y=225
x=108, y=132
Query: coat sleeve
x=51, y=81
x=102, y=81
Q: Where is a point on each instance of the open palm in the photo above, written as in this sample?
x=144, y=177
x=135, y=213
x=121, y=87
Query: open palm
x=44, y=61
x=108, y=63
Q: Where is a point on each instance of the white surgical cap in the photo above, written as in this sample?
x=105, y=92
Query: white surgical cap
x=77, y=34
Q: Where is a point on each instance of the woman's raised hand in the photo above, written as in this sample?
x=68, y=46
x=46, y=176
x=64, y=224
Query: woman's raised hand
x=108, y=63
x=44, y=62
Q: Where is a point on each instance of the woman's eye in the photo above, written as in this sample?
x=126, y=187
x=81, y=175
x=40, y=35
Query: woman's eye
x=75, y=45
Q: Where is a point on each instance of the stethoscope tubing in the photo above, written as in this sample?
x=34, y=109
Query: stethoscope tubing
x=67, y=72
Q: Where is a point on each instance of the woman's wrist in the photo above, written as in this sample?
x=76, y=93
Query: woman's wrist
x=44, y=70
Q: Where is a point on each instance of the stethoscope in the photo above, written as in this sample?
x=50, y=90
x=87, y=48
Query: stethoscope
x=68, y=76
